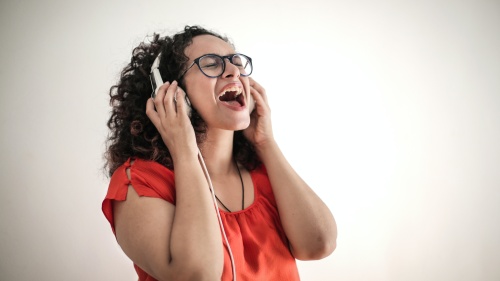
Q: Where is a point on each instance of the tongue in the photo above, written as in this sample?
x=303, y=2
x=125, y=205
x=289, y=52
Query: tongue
x=230, y=98
x=233, y=103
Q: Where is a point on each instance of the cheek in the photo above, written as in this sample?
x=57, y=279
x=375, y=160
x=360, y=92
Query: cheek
x=246, y=85
x=199, y=86
x=202, y=96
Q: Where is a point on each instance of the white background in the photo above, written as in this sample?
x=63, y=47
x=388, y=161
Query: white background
x=390, y=110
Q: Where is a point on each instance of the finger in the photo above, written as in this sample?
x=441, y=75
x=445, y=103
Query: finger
x=158, y=101
x=259, y=88
x=259, y=100
x=152, y=113
x=168, y=101
x=180, y=103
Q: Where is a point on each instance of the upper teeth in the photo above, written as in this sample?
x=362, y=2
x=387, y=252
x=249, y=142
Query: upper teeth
x=238, y=90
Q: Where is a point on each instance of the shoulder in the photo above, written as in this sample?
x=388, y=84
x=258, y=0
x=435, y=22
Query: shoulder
x=150, y=171
x=261, y=181
x=148, y=178
x=260, y=170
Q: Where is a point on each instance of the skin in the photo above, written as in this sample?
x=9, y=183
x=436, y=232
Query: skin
x=183, y=242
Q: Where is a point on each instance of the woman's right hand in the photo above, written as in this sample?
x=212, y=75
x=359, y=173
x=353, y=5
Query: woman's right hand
x=171, y=120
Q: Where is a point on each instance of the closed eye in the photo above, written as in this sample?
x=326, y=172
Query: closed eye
x=212, y=65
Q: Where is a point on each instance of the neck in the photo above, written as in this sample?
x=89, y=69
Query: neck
x=217, y=151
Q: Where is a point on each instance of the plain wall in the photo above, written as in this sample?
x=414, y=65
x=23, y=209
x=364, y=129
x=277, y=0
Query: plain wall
x=390, y=110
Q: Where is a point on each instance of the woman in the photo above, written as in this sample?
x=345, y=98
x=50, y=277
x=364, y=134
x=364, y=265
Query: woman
x=159, y=203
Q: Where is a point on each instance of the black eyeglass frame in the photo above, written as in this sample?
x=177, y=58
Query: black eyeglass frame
x=228, y=57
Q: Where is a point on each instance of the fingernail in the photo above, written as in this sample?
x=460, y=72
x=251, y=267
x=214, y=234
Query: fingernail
x=174, y=82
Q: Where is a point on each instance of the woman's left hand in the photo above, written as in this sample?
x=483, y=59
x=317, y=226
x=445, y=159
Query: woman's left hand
x=260, y=132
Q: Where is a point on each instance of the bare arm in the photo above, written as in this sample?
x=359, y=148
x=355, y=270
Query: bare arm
x=307, y=221
x=181, y=242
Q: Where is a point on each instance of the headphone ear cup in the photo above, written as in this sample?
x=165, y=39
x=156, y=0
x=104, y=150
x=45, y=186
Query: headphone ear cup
x=188, y=103
x=156, y=81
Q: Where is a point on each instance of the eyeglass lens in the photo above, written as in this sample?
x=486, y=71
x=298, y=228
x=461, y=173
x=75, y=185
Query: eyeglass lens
x=213, y=65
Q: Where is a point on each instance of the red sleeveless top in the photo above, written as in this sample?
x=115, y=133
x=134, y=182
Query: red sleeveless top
x=257, y=239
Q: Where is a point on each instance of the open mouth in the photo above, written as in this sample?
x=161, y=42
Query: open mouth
x=233, y=96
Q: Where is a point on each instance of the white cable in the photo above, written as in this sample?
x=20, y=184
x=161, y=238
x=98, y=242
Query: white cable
x=204, y=167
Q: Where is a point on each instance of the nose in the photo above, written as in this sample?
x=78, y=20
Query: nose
x=231, y=70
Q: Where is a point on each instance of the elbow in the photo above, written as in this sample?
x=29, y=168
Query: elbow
x=194, y=272
x=208, y=273
x=315, y=252
x=328, y=249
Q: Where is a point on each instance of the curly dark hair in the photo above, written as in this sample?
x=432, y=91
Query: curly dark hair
x=132, y=134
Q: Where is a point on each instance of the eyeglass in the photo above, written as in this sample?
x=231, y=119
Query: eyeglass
x=212, y=65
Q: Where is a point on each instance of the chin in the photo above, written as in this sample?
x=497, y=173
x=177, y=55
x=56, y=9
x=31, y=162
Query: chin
x=245, y=124
x=244, y=127
x=238, y=126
